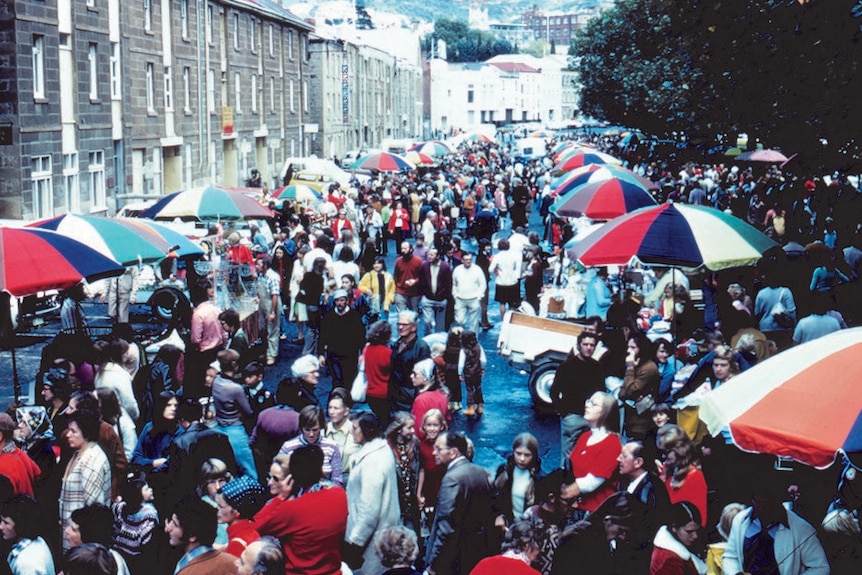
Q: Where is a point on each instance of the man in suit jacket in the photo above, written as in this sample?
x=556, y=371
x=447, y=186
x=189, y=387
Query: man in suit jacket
x=636, y=478
x=435, y=285
x=192, y=528
x=463, y=532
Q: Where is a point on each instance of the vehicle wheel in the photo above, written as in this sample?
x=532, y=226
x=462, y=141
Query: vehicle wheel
x=167, y=303
x=540, y=382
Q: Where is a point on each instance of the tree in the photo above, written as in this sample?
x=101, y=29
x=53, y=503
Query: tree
x=465, y=44
x=785, y=72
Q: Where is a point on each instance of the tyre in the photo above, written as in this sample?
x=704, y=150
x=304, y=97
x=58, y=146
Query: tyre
x=541, y=379
x=168, y=303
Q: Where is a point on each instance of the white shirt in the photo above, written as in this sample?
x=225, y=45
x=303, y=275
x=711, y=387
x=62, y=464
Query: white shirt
x=468, y=283
x=506, y=265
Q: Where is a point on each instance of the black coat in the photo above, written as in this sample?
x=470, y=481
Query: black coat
x=188, y=451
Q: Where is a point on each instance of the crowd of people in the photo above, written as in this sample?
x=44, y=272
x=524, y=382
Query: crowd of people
x=190, y=464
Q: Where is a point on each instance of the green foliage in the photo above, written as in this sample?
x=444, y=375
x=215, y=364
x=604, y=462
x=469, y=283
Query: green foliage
x=464, y=44
x=785, y=72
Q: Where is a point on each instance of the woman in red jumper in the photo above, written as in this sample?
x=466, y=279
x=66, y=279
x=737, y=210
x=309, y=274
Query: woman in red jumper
x=672, y=553
x=376, y=358
x=679, y=468
x=594, y=458
x=399, y=223
x=521, y=547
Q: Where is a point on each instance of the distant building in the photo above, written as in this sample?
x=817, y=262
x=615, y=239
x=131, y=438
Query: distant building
x=557, y=27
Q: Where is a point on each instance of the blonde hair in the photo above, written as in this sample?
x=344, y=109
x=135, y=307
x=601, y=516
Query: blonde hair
x=438, y=415
x=841, y=521
x=214, y=468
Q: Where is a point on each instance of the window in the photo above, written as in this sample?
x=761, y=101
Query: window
x=169, y=90
x=304, y=96
x=187, y=90
x=211, y=107
x=91, y=3
x=290, y=44
x=269, y=39
x=237, y=92
x=254, y=95
x=151, y=89
x=116, y=90
x=71, y=182
x=236, y=31
x=97, y=177
x=272, y=94
x=93, y=64
x=469, y=94
x=304, y=47
x=184, y=17
x=209, y=25
x=290, y=98
x=38, y=66
x=38, y=201
x=252, y=34
x=148, y=16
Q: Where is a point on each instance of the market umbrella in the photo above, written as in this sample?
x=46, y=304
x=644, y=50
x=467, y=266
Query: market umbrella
x=174, y=242
x=206, y=204
x=479, y=138
x=111, y=238
x=677, y=235
x=603, y=200
x=543, y=134
x=432, y=148
x=762, y=156
x=419, y=159
x=582, y=158
x=382, y=162
x=803, y=403
x=34, y=260
x=596, y=173
x=297, y=192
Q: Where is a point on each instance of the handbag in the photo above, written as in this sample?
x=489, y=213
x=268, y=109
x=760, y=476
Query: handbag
x=644, y=404
x=780, y=314
x=360, y=383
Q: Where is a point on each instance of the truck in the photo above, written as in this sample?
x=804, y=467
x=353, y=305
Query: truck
x=537, y=345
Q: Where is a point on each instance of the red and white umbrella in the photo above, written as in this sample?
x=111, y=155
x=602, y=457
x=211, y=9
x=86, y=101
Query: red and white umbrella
x=803, y=403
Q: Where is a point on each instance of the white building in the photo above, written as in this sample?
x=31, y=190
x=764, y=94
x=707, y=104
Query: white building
x=506, y=89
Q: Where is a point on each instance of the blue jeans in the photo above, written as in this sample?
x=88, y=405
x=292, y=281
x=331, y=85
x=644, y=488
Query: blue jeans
x=433, y=315
x=239, y=441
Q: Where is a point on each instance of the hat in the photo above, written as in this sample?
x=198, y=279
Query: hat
x=57, y=378
x=245, y=495
x=425, y=367
x=233, y=239
x=304, y=365
x=339, y=293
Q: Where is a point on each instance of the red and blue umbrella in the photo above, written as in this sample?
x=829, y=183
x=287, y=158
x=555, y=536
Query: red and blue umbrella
x=420, y=159
x=803, y=403
x=677, y=235
x=206, y=204
x=173, y=242
x=297, y=192
x=603, y=200
x=433, y=148
x=583, y=158
x=596, y=173
x=383, y=162
x=34, y=260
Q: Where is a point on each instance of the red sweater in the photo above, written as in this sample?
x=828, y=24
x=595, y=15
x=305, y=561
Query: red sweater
x=240, y=534
x=600, y=460
x=693, y=490
x=498, y=565
x=20, y=469
x=310, y=528
x=377, y=366
x=665, y=562
x=426, y=401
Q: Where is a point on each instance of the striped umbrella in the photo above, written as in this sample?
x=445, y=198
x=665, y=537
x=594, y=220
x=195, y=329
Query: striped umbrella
x=582, y=158
x=434, y=148
x=297, y=192
x=173, y=241
x=479, y=138
x=419, y=159
x=382, y=162
x=34, y=260
x=603, y=199
x=803, y=403
x=206, y=204
x=111, y=238
x=674, y=235
x=596, y=173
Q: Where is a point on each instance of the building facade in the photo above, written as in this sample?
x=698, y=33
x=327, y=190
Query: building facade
x=105, y=102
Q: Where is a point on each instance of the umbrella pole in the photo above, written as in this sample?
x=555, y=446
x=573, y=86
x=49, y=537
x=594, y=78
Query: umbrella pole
x=16, y=383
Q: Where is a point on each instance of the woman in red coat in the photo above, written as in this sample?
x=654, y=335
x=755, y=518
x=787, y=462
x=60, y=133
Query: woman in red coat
x=521, y=547
x=399, y=223
x=594, y=458
x=376, y=359
x=682, y=476
x=671, y=553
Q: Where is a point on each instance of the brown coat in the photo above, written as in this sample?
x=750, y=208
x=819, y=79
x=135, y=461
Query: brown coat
x=211, y=563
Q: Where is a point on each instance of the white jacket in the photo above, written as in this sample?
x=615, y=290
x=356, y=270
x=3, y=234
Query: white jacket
x=797, y=549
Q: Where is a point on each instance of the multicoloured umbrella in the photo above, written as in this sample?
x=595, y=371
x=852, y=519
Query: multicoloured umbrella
x=111, y=238
x=297, y=192
x=173, y=241
x=479, y=138
x=419, y=159
x=34, y=260
x=603, y=200
x=206, y=204
x=674, y=235
x=596, y=173
x=432, y=148
x=803, y=403
x=582, y=158
x=543, y=134
x=382, y=162
x=773, y=156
